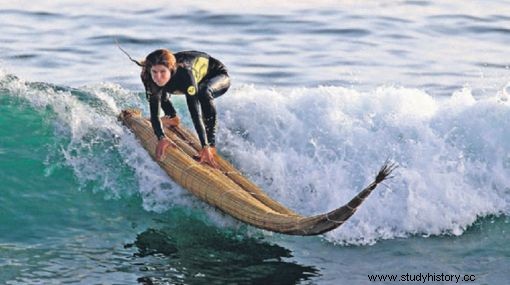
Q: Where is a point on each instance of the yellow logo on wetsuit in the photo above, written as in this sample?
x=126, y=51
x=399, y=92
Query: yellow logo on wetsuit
x=199, y=68
x=192, y=90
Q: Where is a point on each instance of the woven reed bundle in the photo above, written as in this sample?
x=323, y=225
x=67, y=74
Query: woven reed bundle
x=228, y=190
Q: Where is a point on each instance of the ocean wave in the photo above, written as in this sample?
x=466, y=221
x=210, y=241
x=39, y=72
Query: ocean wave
x=311, y=149
x=103, y=155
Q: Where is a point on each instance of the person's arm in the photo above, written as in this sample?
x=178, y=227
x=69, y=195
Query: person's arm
x=154, y=105
x=167, y=106
x=192, y=88
x=163, y=141
x=153, y=94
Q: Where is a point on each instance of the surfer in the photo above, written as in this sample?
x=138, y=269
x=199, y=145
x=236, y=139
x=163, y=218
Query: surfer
x=197, y=75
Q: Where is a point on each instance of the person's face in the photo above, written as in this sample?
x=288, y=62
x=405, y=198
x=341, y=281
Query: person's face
x=160, y=74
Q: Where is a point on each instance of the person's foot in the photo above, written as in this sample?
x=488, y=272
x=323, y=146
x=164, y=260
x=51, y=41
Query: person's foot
x=170, y=122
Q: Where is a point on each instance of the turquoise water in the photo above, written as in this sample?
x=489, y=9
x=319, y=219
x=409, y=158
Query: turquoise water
x=334, y=90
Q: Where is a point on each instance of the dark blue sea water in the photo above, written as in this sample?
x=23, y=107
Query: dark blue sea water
x=323, y=93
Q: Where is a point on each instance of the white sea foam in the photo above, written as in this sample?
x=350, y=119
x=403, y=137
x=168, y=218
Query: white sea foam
x=314, y=149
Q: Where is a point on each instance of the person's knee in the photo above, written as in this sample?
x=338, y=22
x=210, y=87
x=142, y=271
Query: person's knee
x=217, y=86
x=205, y=93
x=223, y=85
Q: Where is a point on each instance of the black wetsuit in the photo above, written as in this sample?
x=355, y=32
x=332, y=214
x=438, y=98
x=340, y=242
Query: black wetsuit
x=201, y=78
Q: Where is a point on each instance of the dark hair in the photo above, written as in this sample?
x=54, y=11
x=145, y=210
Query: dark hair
x=160, y=56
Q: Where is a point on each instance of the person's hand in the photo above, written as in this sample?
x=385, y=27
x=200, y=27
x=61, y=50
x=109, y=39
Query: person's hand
x=207, y=156
x=163, y=144
x=170, y=122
